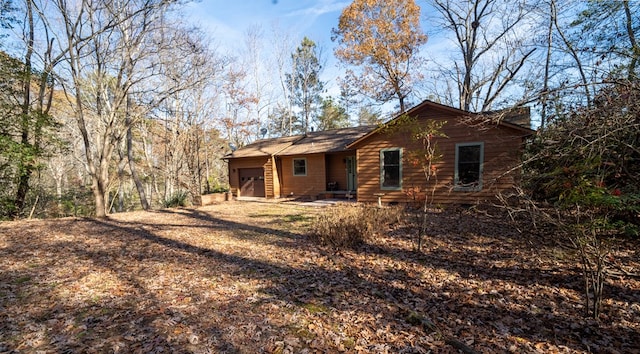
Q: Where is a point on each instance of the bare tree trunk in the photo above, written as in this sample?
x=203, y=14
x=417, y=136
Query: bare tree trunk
x=635, y=49
x=134, y=172
x=573, y=53
x=547, y=65
x=132, y=164
x=121, y=165
x=26, y=165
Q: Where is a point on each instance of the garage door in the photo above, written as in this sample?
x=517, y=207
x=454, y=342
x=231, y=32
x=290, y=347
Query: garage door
x=251, y=182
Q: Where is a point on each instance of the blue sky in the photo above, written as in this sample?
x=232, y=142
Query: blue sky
x=229, y=20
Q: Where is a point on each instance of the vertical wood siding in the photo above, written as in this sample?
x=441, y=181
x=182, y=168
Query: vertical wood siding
x=269, y=178
x=275, y=179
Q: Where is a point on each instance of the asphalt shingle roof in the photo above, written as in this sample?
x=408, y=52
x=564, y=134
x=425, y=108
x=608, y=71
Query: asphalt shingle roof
x=266, y=147
x=335, y=140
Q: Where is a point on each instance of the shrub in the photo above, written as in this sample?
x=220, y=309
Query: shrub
x=177, y=199
x=586, y=164
x=348, y=226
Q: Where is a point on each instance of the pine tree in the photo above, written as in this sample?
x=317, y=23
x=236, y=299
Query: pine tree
x=305, y=84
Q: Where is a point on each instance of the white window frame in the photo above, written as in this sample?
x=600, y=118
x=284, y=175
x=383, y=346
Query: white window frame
x=473, y=187
x=294, y=166
x=391, y=188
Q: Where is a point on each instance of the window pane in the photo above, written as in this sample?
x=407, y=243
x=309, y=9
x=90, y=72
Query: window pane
x=468, y=173
x=390, y=174
x=299, y=167
x=469, y=164
x=469, y=153
x=391, y=158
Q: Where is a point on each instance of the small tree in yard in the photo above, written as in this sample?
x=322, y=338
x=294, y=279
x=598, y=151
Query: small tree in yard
x=425, y=157
x=587, y=164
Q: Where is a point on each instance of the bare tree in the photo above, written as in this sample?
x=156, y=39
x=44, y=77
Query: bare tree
x=492, y=52
x=283, y=46
x=102, y=49
x=259, y=68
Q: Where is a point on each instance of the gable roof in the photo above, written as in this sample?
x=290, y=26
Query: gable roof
x=334, y=140
x=460, y=112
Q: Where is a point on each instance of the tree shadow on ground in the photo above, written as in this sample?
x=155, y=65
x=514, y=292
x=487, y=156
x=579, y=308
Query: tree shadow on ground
x=350, y=283
x=298, y=283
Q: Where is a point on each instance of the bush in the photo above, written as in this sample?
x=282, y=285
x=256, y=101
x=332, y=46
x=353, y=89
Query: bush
x=215, y=187
x=587, y=165
x=220, y=189
x=348, y=226
x=177, y=199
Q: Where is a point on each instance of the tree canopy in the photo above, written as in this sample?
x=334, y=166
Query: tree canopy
x=382, y=38
x=304, y=82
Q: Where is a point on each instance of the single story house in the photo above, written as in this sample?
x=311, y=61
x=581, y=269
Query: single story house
x=369, y=163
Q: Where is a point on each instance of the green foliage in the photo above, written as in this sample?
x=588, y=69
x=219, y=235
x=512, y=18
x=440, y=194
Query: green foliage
x=304, y=82
x=177, y=199
x=25, y=130
x=590, y=158
x=214, y=186
x=368, y=116
x=586, y=163
x=75, y=202
x=348, y=226
x=220, y=189
x=332, y=115
x=7, y=208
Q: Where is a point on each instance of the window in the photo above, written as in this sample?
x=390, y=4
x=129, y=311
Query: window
x=469, y=160
x=391, y=169
x=299, y=167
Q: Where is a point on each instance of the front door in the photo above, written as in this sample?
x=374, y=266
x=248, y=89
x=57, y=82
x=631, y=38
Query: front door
x=352, y=177
x=251, y=182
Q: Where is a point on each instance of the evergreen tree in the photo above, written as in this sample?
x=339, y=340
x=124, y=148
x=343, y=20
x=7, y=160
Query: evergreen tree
x=332, y=115
x=305, y=84
x=368, y=116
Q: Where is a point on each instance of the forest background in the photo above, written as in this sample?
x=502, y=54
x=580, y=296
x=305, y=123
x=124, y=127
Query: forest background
x=110, y=106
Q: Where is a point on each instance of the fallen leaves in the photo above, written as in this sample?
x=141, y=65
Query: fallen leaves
x=242, y=277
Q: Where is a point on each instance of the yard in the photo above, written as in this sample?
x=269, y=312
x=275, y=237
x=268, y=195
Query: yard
x=242, y=277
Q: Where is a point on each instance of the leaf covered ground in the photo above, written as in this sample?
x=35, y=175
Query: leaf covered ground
x=242, y=277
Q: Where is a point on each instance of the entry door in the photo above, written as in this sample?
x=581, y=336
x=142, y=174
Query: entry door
x=351, y=174
x=251, y=182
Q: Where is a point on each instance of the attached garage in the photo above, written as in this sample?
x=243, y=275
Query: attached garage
x=299, y=166
x=251, y=182
x=253, y=171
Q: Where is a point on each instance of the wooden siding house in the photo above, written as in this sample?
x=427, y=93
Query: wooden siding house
x=309, y=165
x=478, y=160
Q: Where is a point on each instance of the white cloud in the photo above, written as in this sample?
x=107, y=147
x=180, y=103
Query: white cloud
x=324, y=7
